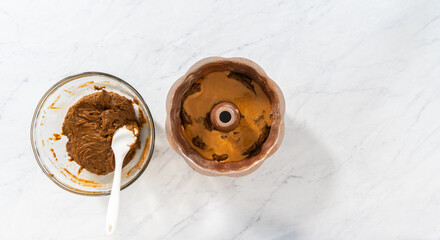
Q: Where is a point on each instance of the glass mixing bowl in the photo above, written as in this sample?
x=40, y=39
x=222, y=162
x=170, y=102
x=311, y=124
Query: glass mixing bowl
x=49, y=145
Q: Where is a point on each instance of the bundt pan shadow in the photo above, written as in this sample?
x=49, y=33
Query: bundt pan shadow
x=173, y=121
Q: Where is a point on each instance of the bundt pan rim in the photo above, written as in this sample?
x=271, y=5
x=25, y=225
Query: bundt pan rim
x=173, y=123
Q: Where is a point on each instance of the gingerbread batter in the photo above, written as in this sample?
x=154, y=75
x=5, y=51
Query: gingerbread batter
x=252, y=131
x=90, y=124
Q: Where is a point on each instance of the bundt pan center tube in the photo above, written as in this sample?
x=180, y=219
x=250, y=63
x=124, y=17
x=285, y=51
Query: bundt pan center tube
x=251, y=118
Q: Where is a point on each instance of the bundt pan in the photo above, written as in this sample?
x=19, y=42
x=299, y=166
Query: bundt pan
x=174, y=122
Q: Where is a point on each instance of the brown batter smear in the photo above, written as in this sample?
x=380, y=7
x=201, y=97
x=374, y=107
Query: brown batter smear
x=90, y=124
x=80, y=181
x=252, y=102
x=54, y=155
x=143, y=158
x=56, y=137
x=85, y=84
x=97, y=88
x=52, y=106
x=142, y=119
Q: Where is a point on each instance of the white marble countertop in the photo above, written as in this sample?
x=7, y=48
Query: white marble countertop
x=361, y=154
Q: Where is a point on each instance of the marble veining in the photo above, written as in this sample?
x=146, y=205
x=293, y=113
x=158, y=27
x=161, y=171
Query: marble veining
x=360, y=158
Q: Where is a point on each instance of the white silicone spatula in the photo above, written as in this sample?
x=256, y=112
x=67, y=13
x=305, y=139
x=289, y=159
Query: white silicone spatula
x=122, y=141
